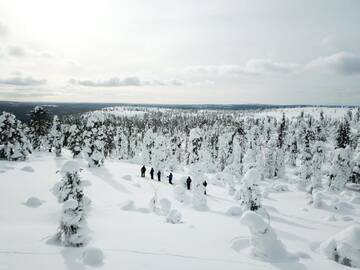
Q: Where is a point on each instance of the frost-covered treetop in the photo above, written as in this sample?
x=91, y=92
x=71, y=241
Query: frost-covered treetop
x=69, y=167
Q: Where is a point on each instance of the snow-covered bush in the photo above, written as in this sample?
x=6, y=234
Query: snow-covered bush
x=344, y=247
x=69, y=191
x=234, y=211
x=264, y=243
x=14, y=145
x=174, y=217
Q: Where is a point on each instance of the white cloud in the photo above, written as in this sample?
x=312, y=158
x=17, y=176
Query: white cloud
x=343, y=63
x=22, y=81
x=127, y=81
x=16, y=51
x=3, y=30
x=260, y=66
x=252, y=67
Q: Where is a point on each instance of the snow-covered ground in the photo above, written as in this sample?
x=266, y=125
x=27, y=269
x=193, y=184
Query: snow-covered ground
x=130, y=236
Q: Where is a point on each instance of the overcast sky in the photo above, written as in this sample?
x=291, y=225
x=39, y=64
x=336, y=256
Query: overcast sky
x=184, y=51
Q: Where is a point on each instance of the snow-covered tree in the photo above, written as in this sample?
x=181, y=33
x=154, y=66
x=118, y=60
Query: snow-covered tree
x=195, y=142
x=75, y=140
x=69, y=191
x=14, y=145
x=94, y=141
x=340, y=170
x=40, y=123
x=249, y=193
x=306, y=169
x=317, y=161
x=56, y=136
x=355, y=164
x=343, y=134
x=269, y=158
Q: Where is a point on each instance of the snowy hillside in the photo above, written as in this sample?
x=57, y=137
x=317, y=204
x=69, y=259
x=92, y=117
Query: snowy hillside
x=257, y=190
x=132, y=237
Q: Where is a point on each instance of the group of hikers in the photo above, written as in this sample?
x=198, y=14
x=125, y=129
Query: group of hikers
x=170, y=177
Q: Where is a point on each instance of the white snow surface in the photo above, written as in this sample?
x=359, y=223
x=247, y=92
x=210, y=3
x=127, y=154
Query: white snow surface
x=141, y=239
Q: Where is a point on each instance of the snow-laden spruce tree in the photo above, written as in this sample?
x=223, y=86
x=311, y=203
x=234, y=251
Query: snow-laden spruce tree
x=14, y=145
x=343, y=135
x=340, y=170
x=236, y=168
x=279, y=163
x=195, y=143
x=199, y=200
x=75, y=140
x=317, y=162
x=148, y=145
x=306, y=168
x=94, y=139
x=355, y=164
x=249, y=193
x=160, y=153
x=56, y=136
x=249, y=159
x=69, y=191
x=269, y=158
x=39, y=125
x=293, y=151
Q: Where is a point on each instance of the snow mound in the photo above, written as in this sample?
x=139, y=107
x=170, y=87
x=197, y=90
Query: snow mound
x=69, y=166
x=331, y=218
x=165, y=206
x=93, y=257
x=128, y=205
x=180, y=193
x=174, y=217
x=343, y=207
x=355, y=200
x=33, y=202
x=127, y=177
x=234, y=211
x=344, y=247
x=317, y=199
x=27, y=169
x=264, y=243
x=279, y=188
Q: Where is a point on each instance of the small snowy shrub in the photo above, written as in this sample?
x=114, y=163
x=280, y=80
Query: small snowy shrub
x=234, y=211
x=264, y=243
x=174, y=217
x=344, y=247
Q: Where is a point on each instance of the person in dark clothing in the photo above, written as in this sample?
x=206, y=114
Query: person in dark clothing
x=159, y=176
x=170, y=178
x=143, y=170
x=188, y=183
x=205, y=185
x=152, y=173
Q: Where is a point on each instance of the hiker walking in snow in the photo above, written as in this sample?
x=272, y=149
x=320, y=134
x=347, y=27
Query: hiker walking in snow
x=143, y=170
x=188, y=183
x=205, y=185
x=159, y=176
x=170, y=178
x=152, y=173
